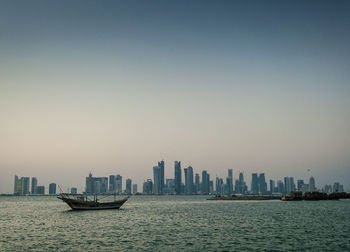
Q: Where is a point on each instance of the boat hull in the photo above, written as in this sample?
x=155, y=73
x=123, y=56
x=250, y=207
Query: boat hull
x=91, y=205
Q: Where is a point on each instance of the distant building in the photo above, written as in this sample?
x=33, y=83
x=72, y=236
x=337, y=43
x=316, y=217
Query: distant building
x=21, y=186
x=118, y=184
x=34, y=185
x=327, y=189
x=312, y=186
x=177, y=169
x=211, y=185
x=219, y=186
x=230, y=181
x=112, y=187
x=337, y=187
x=197, y=183
x=73, y=190
x=52, y=189
x=157, y=180
x=255, y=184
x=272, y=186
x=161, y=177
x=188, y=180
x=262, y=184
x=134, y=188
x=147, y=186
x=205, y=182
x=40, y=190
x=240, y=185
x=300, y=184
x=96, y=185
x=128, y=186
x=280, y=187
x=17, y=186
x=169, y=187
x=289, y=185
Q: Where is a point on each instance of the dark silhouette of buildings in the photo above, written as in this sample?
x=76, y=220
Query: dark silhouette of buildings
x=52, y=189
x=177, y=177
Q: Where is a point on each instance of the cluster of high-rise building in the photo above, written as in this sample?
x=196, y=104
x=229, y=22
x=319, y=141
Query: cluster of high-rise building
x=22, y=185
x=196, y=184
x=101, y=185
x=190, y=185
x=186, y=182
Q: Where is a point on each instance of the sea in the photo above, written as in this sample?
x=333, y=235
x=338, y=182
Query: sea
x=175, y=223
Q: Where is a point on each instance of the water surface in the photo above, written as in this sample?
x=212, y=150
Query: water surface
x=173, y=223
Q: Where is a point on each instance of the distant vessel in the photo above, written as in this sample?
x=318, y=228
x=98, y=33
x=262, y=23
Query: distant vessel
x=81, y=202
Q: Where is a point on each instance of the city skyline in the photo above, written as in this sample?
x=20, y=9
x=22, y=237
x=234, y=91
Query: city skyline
x=189, y=182
x=110, y=87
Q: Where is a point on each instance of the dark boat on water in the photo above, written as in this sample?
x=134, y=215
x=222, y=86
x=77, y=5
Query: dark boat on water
x=81, y=202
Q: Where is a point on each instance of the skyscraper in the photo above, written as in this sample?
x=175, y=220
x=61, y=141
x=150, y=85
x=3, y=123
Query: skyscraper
x=177, y=169
x=255, y=184
x=17, y=186
x=111, y=183
x=240, y=185
x=118, y=184
x=52, y=189
x=300, y=184
x=147, y=186
x=280, y=187
x=134, y=188
x=40, y=189
x=128, y=186
x=230, y=181
x=272, y=186
x=25, y=185
x=218, y=186
x=161, y=166
x=96, y=185
x=197, y=183
x=188, y=180
x=312, y=186
x=262, y=184
x=289, y=185
x=34, y=185
x=205, y=182
x=21, y=186
x=156, y=180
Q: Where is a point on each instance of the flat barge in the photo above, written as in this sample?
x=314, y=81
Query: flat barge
x=294, y=196
x=245, y=198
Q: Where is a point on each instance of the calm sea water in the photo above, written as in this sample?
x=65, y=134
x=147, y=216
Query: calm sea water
x=174, y=223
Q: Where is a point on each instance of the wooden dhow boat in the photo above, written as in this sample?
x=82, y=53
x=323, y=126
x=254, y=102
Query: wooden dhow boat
x=82, y=202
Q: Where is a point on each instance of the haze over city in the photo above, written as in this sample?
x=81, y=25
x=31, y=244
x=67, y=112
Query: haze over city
x=113, y=88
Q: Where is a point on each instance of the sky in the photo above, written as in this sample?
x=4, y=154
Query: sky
x=112, y=87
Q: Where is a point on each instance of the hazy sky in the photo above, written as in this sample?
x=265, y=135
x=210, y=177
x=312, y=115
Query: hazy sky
x=112, y=87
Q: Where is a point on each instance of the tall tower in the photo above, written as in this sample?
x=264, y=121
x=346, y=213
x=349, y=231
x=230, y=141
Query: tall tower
x=312, y=184
x=34, y=185
x=205, y=182
x=177, y=169
x=128, y=186
x=262, y=183
x=255, y=184
x=230, y=181
x=156, y=179
x=111, y=183
x=188, y=180
x=161, y=166
x=197, y=183
x=118, y=184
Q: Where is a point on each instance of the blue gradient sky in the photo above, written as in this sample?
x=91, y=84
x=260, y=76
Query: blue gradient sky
x=106, y=86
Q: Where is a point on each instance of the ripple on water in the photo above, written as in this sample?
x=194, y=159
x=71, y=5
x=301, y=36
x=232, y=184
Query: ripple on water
x=175, y=223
